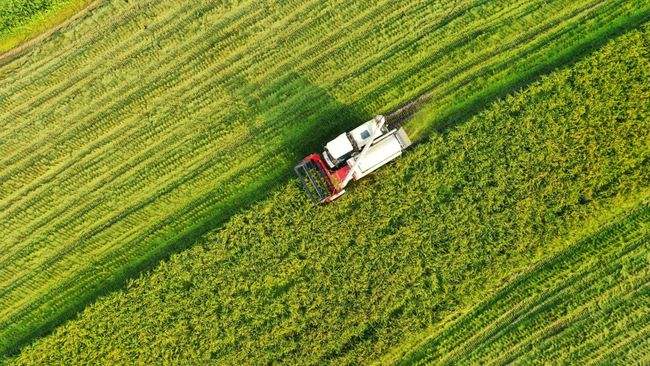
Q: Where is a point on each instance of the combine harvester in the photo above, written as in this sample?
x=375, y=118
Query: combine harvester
x=351, y=155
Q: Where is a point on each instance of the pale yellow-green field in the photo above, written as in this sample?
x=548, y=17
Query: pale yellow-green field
x=144, y=124
x=518, y=236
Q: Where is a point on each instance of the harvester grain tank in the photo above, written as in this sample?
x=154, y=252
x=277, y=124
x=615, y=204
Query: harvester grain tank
x=350, y=156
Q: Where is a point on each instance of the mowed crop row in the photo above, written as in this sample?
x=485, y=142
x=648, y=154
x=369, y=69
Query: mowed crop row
x=504, y=197
x=148, y=122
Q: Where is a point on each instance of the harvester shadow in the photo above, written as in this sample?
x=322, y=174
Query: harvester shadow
x=297, y=115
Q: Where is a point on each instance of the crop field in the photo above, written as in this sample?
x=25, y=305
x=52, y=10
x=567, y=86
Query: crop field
x=21, y=20
x=587, y=303
x=145, y=124
x=520, y=234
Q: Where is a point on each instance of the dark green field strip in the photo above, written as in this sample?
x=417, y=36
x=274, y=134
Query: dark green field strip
x=524, y=293
x=21, y=12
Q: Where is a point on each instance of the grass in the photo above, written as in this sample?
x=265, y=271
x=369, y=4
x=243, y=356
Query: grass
x=515, y=230
x=23, y=20
x=123, y=138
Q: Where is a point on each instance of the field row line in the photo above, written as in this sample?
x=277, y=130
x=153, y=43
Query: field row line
x=591, y=325
x=616, y=305
x=574, y=300
x=114, y=102
x=544, y=268
x=577, y=282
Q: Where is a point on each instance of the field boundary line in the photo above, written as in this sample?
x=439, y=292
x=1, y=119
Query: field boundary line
x=20, y=50
x=533, y=306
x=557, y=325
x=637, y=213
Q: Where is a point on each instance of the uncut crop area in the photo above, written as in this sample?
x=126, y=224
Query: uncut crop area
x=143, y=125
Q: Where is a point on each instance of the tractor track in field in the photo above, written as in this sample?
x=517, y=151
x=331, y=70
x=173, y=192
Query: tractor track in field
x=626, y=224
x=403, y=114
x=25, y=46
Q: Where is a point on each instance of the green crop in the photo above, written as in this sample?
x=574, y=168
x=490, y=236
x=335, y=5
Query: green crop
x=148, y=123
x=21, y=20
x=518, y=235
